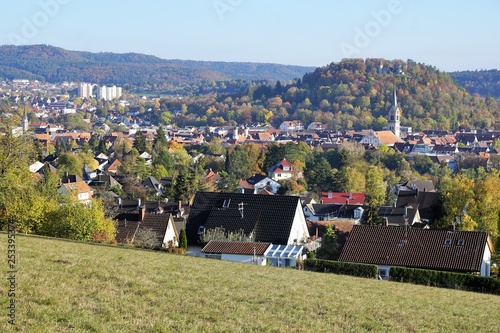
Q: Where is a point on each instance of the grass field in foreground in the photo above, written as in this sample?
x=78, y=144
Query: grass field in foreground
x=73, y=287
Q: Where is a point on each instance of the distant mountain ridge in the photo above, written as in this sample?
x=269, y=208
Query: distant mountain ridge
x=55, y=64
x=481, y=82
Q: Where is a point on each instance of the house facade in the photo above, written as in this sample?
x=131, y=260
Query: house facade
x=262, y=218
x=284, y=170
x=444, y=250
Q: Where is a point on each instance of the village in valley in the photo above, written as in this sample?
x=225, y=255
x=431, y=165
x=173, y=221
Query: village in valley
x=256, y=193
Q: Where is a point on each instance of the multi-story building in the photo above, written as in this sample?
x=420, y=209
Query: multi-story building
x=85, y=90
x=109, y=93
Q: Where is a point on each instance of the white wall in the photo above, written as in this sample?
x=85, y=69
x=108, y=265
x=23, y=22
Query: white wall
x=486, y=264
x=170, y=235
x=248, y=259
x=299, y=227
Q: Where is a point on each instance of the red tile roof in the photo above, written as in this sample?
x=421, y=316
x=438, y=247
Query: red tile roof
x=342, y=198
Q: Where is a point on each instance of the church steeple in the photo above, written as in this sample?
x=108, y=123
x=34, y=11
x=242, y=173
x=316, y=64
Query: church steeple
x=395, y=116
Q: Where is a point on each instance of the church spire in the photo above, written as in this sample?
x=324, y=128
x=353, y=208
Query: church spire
x=394, y=116
x=395, y=98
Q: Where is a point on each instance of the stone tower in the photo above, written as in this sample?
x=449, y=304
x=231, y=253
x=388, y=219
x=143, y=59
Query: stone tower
x=395, y=116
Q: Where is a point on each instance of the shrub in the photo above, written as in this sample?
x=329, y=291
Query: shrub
x=340, y=267
x=443, y=279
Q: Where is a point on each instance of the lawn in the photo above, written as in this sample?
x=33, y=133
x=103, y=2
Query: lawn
x=74, y=287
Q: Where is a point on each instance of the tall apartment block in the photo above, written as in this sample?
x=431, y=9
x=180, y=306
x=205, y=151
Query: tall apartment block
x=109, y=93
x=85, y=90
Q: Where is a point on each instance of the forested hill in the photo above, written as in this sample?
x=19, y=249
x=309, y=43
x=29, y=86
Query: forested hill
x=479, y=82
x=357, y=93
x=54, y=64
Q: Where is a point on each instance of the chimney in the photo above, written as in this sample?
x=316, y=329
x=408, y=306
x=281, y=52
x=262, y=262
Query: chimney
x=347, y=201
x=416, y=193
x=138, y=202
x=406, y=212
x=386, y=222
x=451, y=227
x=143, y=213
x=180, y=205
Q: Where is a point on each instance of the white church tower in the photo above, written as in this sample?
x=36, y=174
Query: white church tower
x=395, y=116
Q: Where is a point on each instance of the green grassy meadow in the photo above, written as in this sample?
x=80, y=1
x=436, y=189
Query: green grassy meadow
x=66, y=286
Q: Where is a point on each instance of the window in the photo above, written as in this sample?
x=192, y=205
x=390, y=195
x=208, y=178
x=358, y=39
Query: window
x=200, y=229
x=226, y=203
x=382, y=274
x=461, y=242
x=286, y=168
x=330, y=195
x=447, y=241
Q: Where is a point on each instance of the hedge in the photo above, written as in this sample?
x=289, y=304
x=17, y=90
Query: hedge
x=445, y=279
x=340, y=267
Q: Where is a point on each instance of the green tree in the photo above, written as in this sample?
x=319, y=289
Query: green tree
x=375, y=186
x=139, y=142
x=183, y=239
x=319, y=174
x=79, y=222
x=329, y=249
x=239, y=163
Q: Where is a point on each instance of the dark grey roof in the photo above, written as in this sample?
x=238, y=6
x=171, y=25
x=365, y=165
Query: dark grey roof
x=270, y=218
x=396, y=215
x=417, y=248
x=255, y=179
x=337, y=210
x=428, y=203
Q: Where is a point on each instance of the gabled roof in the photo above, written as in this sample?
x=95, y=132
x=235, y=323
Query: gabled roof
x=270, y=218
x=426, y=202
x=417, y=248
x=279, y=167
x=257, y=178
x=158, y=223
x=243, y=248
x=397, y=215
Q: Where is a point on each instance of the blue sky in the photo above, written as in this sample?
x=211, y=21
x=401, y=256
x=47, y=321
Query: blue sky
x=451, y=35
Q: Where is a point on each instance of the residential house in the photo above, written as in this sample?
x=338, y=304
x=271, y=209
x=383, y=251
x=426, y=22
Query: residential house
x=400, y=216
x=254, y=253
x=343, y=198
x=428, y=203
x=378, y=138
x=329, y=212
x=258, y=182
x=152, y=185
x=444, y=250
x=113, y=166
x=263, y=218
x=315, y=126
x=78, y=191
x=245, y=252
x=284, y=170
x=130, y=224
x=291, y=126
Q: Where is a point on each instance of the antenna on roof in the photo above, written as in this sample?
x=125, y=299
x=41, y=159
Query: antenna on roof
x=240, y=208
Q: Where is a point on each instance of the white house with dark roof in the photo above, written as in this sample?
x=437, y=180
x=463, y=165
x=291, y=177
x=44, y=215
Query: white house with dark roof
x=444, y=250
x=262, y=218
